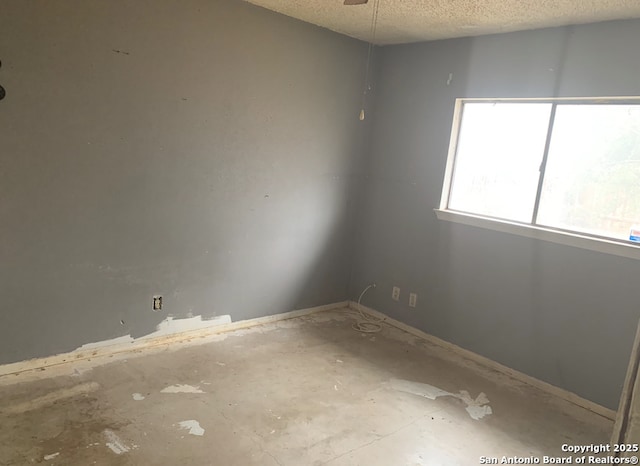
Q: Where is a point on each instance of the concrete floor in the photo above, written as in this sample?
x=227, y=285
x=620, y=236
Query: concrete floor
x=306, y=391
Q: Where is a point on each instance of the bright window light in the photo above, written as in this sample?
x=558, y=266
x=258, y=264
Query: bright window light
x=592, y=178
x=571, y=165
x=500, y=148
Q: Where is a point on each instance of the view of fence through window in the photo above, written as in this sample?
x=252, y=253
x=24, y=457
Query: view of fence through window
x=588, y=182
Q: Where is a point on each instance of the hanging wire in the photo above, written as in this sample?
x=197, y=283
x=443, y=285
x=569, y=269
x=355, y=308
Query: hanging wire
x=372, y=35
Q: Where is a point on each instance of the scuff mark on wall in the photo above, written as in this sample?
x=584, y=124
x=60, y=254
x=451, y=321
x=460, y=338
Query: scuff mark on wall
x=477, y=408
x=134, y=274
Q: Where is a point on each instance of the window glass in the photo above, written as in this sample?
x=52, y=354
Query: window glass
x=499, y=152
x=592, y=178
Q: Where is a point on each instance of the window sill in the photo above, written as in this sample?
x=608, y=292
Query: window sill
x=530, y=231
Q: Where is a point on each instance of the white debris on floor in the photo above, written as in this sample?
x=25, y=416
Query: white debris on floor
x=192, y=426
x=181, y=389
x=115, y=443
x=477, y=408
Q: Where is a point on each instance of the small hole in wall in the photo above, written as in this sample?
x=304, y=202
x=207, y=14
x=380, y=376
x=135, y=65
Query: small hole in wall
x=122, y=322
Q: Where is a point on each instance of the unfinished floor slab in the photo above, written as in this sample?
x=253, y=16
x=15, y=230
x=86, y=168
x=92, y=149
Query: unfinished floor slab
x=304, y=391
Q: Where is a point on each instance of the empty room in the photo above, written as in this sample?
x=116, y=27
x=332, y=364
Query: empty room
x=322, y=232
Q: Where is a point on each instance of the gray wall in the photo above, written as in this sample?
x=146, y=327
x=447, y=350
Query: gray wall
x=210, y=151
x=561, y=314
x=206, y=150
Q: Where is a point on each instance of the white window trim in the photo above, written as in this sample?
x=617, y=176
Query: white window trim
x=574, y=239
x=545, y=234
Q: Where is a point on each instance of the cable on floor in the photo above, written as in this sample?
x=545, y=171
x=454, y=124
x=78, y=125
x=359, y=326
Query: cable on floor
x=367, y=323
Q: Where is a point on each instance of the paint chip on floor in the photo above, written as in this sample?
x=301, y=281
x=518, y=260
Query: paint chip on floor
x=138, y=396
x=114, y=442
x=51, y=456
x=477, y=408
x=192, y=426
x=179, y=388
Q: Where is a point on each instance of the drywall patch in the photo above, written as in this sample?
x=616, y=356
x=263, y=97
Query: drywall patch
x=192, y=426
x=51, y=456
x=168, y=326
x=114, y=341
x=64, y=363
x=115, y=443
x=138, y=396
x=477, y=408
x=181, y=389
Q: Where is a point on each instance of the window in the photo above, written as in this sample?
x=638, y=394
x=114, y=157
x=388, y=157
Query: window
x=569, y=166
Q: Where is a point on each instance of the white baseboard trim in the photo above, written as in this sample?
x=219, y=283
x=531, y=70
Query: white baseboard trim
x=99, y=350
x=491, y=364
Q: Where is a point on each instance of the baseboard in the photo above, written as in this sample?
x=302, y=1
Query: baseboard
x=100, y=350
x=491, y=364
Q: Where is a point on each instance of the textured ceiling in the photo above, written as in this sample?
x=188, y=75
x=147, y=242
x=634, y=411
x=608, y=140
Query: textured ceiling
x=401, y=21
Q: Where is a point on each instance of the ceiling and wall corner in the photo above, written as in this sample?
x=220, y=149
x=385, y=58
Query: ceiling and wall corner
x=404, y=21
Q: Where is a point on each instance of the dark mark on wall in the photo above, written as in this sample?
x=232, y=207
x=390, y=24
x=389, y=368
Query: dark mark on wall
x=2, y=91
x=121, y=51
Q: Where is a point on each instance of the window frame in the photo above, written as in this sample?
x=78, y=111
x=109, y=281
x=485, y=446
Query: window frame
x=619, y=247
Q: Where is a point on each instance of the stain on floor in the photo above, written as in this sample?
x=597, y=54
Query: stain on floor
x=305, y=391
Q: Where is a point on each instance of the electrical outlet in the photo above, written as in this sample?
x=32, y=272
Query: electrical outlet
x=157, y=303
x=413, y=299
x=395, y=294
